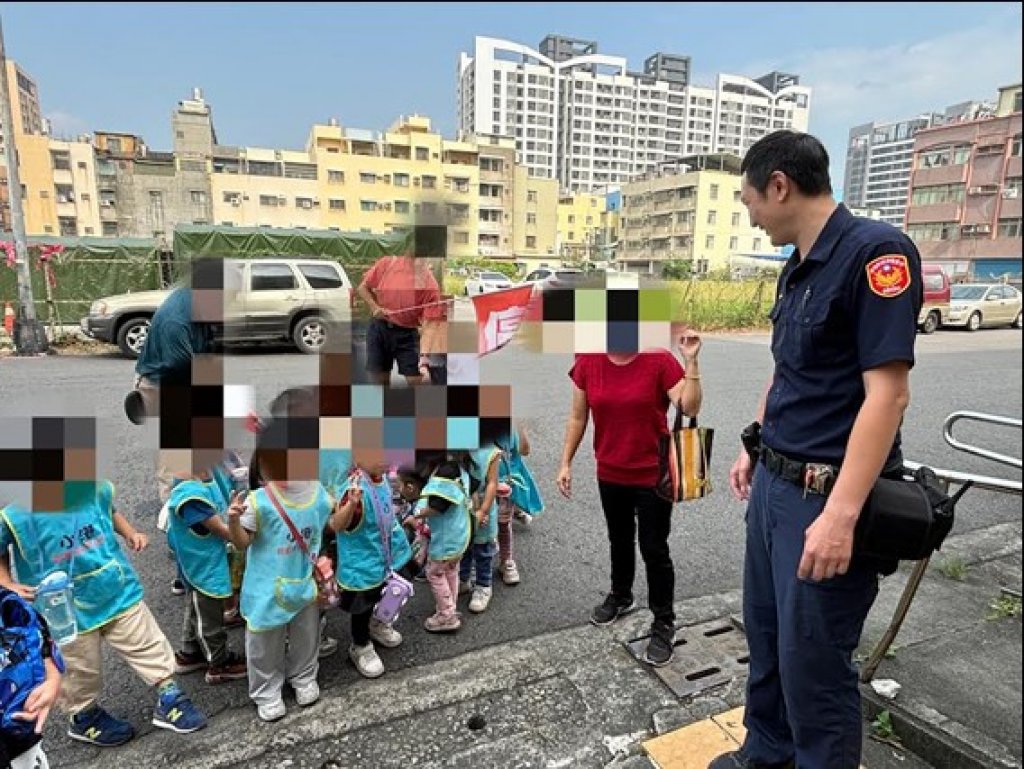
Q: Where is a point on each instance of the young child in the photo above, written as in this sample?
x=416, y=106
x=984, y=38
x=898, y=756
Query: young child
x=480, y=556
x=410, y=488
x=279, y=593
x=519, y=496
x=199, y=536
x=362, y=564
x=30, y=671
x=444, y=502
x=79, y=539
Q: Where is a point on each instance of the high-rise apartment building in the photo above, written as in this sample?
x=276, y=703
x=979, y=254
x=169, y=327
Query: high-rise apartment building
x=584, y=118
x=879, y=159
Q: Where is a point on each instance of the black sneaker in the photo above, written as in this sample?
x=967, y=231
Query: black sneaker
x=612, y=608
x=661, y=647
x=735, y=760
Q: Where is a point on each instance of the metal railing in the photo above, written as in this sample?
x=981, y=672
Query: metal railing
x=948, y=477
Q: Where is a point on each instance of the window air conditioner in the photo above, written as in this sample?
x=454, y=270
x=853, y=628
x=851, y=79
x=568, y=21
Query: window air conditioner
x=1011, y=194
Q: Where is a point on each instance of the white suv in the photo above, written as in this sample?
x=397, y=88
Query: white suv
x=281, y=300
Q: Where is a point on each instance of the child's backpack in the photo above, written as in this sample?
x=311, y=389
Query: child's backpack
x=22, y=666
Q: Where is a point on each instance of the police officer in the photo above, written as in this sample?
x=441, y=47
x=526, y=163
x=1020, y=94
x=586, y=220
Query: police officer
x=844, y=324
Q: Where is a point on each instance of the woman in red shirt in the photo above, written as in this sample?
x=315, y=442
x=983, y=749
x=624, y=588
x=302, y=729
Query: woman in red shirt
x=628, y=394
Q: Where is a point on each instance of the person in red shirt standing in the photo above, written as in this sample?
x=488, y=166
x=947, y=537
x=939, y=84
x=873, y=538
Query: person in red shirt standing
x=628, y=394
x=402, y=294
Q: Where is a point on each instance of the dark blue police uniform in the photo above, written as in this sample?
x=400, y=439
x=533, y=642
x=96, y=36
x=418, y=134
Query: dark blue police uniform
x=842, y=310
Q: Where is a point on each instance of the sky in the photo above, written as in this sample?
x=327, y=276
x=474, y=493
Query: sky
x=271, y=70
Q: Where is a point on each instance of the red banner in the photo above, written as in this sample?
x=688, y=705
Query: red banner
x=499, y=315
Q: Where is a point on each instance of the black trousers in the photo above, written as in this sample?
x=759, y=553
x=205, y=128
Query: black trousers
x=627, y=510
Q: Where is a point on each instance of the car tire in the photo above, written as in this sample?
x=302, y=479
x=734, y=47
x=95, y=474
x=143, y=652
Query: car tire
x=131, y=337
x=931, y=323
x=974, y=322
x=1018, y=322
x=310, y=334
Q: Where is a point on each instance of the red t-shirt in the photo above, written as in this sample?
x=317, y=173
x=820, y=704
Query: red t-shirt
x=398, y=284
x=629, y=404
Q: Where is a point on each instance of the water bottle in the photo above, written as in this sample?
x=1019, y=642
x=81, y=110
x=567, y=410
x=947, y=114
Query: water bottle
x=55, y=601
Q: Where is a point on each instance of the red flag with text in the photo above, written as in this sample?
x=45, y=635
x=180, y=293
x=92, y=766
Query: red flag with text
x=499, y=315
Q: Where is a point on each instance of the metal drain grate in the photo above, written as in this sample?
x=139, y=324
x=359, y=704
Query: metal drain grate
x=707, y=655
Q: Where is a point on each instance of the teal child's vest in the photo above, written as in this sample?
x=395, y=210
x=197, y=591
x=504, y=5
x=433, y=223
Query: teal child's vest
x=203, y=558
x=513, y=471
x=278, y=582
x=482, y=459
x=361, y=562
x=81, y=541
x=450, y=530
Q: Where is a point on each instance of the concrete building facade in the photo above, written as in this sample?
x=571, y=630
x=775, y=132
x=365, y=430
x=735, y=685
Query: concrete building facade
x=965, y=193
x=584, y=118
x=687, y=211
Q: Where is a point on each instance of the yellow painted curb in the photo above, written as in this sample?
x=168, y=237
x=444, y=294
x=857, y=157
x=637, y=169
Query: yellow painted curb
x=694, y=746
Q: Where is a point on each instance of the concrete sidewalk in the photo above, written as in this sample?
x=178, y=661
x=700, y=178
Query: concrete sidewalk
x=579, y=698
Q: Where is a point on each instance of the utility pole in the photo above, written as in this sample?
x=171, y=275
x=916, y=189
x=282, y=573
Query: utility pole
x=29, y=333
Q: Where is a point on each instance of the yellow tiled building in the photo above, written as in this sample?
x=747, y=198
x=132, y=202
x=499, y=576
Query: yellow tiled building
x=581, y=220
x=688, y=211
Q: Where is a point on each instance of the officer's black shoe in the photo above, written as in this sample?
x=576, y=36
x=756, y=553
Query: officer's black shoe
x=735, y=760
x=661, y=647
x=612, y=608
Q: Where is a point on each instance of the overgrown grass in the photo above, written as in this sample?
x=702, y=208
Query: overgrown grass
x=704, y=305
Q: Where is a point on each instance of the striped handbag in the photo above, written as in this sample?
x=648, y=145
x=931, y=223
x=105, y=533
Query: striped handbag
x=684, y=460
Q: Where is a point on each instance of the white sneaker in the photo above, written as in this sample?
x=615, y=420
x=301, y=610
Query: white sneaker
x=524, y=518
x=385, y=635
x=366, y=660
x=328, y=646
x=481, y=598
x=465, y=586
x=273, y=711
x=510, y=573
x=307, y=695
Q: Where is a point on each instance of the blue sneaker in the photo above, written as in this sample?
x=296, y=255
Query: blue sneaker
x=97, y=727
x=175, y=711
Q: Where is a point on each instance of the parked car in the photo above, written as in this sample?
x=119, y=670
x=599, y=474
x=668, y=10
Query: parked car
x=281, y=300
x=935, y=309
x=973, y=305
x=483, y=282
x=548, y=277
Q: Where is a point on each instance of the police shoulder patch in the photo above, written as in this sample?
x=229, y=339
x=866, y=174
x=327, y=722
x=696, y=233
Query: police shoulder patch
x=889, y=275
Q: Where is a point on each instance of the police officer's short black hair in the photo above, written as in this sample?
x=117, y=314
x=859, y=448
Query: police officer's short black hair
x=801, y=157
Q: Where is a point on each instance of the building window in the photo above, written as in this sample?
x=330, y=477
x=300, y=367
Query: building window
x=714, y=192
x=709, y=241
x=461, y=238
x=572, y=219
x=269, y=200
x=572, y=236
x=89, y=231
x=306, y=203
x=736, y=219
x=367, y=178
x=402, y=206
x=531, y=196
x=429, y=182
x=1009, y=228
x=401, y=180
x=712, y=217
x=336, y=204
x=61, y=160
x=531, y=241
x=82, y=165
x=531, y=218
x=757, y=244
x=198, y=197
x=335, y=177
x=422, y=153
x=44, y=193
x=934, y=231
x=1015, y=147
x=109, y=229
x=65, y=193
x=734, y=243
x=68, y=226
x=939, y=193
x=367, y=205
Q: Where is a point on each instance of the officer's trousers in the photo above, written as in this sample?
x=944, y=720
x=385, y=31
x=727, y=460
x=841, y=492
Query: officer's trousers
x=803, y=700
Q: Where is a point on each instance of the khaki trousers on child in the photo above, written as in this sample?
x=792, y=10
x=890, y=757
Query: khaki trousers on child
x=137, y=639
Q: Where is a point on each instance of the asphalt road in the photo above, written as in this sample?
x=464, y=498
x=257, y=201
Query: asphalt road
x=563, y=556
